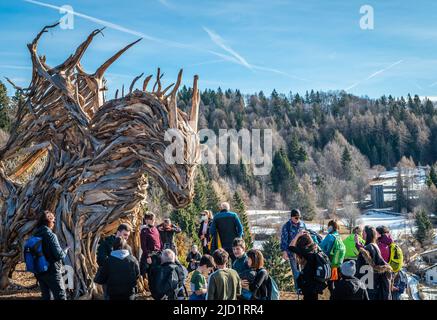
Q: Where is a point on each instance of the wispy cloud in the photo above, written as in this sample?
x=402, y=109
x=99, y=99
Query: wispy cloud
x=111, y=25
x=205, y=62
x=167, y=4
x=221, y=43
x=373, y=75
x=237, y=58
x=16, y=67
x=231, y=56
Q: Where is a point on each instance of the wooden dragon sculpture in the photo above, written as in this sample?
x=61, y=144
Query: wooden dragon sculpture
x=98, y=155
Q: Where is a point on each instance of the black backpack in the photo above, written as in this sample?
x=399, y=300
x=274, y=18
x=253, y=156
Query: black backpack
x=323, y=267
x=168, y=282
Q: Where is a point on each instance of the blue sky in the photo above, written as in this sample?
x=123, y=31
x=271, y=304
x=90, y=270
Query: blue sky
x=240, y=44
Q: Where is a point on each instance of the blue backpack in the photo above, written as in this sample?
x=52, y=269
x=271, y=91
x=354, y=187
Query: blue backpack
x=34, y=257
x=273, y=289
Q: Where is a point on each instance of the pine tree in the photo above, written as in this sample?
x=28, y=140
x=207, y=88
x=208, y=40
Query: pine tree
x=346, y=163
x=282, y=175
x=432, y=178
x=5, y=121
x=307, y=199
x=425, y=231
x=239, y=207
x=401, y=200
x=296, y=153
x=200, y=192
x=279, y=269
x=212, y=198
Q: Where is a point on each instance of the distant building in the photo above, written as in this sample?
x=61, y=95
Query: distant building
x=431, y=275
x=377, y=196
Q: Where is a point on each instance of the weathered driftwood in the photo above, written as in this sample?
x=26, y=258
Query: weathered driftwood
x=98, y=155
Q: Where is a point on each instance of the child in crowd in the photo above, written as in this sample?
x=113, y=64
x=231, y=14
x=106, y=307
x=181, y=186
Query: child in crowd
x=193, y=258
x=198, y=281
x=242, y=267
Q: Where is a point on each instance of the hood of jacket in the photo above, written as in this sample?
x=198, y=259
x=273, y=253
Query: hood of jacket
x=120, y=254
x=42, y=230
x=353, y=283
x=386, y=239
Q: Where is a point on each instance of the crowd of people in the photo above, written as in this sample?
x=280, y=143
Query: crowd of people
x=366, y=265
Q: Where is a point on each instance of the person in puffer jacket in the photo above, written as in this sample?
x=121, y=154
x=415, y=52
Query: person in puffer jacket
x=119, y=272
x=384, y=242
x=349, y=287
x=51, y=281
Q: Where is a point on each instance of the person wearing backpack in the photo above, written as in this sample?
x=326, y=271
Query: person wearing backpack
x=167, y=280
x=334, y=248
x=349, y=287
x=380, y=271
x=259, y=286
x=349, y=243
x=51, y=281
x=119, y=272
x=384, y=241
x=314, y=264
x=289, y=231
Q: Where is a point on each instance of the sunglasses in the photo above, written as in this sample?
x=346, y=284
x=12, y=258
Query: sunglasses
x=296, y=217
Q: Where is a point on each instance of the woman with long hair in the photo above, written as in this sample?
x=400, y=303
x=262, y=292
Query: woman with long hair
x=203, y=233
x=378, y=271
x=306, y=251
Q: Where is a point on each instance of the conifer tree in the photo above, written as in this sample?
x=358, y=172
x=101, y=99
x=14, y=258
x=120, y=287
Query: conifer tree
x=425, y=231
x=346, y=163
x=240, y=208
x=5, y=121
x=279, y=269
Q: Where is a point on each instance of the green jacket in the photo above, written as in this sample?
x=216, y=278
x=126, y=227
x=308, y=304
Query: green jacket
x=351, y=250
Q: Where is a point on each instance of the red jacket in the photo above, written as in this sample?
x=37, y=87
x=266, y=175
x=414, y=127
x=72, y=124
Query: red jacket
x=150, y=240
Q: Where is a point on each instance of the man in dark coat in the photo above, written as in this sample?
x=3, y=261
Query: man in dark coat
x=105, y=245
x=225, y=227
x=119, y=273
x=349, y=287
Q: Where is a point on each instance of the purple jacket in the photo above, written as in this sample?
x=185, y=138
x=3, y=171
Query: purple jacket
x=384, y=243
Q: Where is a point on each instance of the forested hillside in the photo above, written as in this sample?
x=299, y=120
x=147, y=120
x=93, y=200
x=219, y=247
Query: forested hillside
x=326, y=145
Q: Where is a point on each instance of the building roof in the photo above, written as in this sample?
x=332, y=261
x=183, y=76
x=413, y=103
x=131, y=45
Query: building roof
x=429, y=251
x=430, y=267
